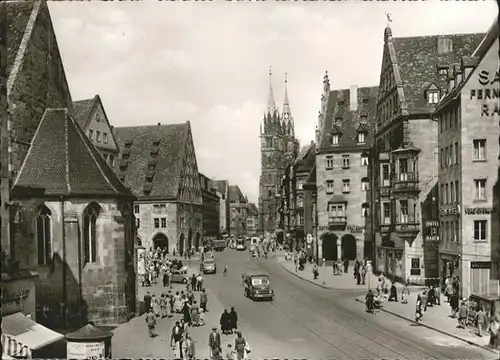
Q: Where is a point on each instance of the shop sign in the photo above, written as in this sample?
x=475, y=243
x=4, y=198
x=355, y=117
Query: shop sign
x=480, y=265
x=324, y=228
x=431, y=238
x=452, y=210
x=355, y=229
x=84, y=350
x=17, y=296
x=478, y=211
x=432, y=224
x=407, y=227
x=489, y=91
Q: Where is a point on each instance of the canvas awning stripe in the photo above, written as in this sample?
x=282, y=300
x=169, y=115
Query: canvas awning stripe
x=14, y=348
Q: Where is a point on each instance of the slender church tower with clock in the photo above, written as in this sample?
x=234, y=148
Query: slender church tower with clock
x=278, y=149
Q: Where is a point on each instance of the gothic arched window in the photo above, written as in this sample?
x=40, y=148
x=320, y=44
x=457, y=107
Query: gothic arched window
x=44, y=236
x=90, y=215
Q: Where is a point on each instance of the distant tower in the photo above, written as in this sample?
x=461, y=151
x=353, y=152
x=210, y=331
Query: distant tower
x=278, y=148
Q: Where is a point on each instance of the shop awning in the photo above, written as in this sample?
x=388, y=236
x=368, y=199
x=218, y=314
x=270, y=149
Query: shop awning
x=27, y=332
x=12, y=349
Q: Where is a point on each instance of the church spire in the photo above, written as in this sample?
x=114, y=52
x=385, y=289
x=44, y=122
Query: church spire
x=287, y=114
x=271, y=105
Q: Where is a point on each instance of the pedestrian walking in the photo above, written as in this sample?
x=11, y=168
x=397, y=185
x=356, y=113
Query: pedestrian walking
x=394, y=293
x=214, y=344
x=315, y=272
x=203, y=300
x=481, y=321
x=176, y=339
x=188, y=348
x=230, y=354
x=493, y=329
x=151, y=322
x=454, y=304
x=225, y=323
x=437, y=295
x=147, y=301
x=195, y=314
x=199, y=282
x=240, y=346
x=346, y=266
x=418, y=309
x=405, y=293
x=463, y=315
x=233, y=317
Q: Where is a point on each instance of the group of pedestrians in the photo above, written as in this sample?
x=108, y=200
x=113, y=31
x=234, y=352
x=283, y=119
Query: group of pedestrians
x=159, y=266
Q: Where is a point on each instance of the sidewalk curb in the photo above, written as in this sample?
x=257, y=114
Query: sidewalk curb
x=316, y=283
x=435, y=329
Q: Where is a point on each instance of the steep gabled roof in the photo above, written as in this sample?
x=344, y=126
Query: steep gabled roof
x=63, y=162
x=235, y=194
x=82, y=110
x=17, y=18
x=252, y=209
x=172, y=139
x=417, y=59
x=307, y=161
x=473, y=60
x=221, y=186
x=340, y=119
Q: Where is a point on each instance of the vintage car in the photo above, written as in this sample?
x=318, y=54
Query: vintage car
x=179, y=276
x=209, y=266
x=257, y=287
x=240, y=245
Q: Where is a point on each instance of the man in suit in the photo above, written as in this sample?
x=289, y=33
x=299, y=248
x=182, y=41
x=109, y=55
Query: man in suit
x=147, y=302
x=214, y=344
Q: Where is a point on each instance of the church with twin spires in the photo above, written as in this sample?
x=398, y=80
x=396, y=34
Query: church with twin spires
x=278, y=148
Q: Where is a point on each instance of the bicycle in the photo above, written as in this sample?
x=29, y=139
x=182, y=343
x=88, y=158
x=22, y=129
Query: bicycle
x=225, y=271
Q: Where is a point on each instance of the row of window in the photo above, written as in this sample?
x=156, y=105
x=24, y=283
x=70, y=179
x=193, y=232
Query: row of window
x=450, y=230
x=346, y=161
x=160, y=223
x=98, y=136
x=450, y=155
x=44, y=234
x=110, y=160
x=340, y=210
x=449, y=120
x=346, y=185
x=403, y=217
x=450, y=192
x=361, y=138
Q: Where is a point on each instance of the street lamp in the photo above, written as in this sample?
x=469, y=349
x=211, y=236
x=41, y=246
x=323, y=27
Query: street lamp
x=324, y=271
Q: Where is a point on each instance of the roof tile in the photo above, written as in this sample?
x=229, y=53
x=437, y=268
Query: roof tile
x=418, y=59
x=235, y=194
x=341, y=119
x=63, y=162
x=221, y=186
x=171, y=138
x=81, y=111
x=18, y=14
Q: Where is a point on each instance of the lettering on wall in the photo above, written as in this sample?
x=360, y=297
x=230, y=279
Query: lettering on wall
x=478, y=211
x=17, y=296
x=490, y=91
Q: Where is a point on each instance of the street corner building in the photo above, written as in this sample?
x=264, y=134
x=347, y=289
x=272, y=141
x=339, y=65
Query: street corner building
x=222, y=190
x=468, y=127
x=344, y=137
x=75, y=224
x=158, y=163
x=406, y=166
x=66, y=231
x=94, y=122
x=279, y=148
x=211, y=209
x=238, y=210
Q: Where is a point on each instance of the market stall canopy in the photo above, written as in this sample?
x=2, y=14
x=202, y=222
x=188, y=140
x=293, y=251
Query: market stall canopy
x=27, y=332
x=11, y=347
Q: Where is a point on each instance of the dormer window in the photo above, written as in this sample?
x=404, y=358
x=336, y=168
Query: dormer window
x=443, y=71
x=366, y=100
x=98, y=117
x=363, y=118
x=361, y=137
x=335, y=139
x=433, y=96
x=156, y=143
x=338, y=120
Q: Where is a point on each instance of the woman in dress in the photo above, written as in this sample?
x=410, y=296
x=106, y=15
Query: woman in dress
x=177, y=303
x=195, y=314
x=186, y=312
x=239, y=346
x=155, y=305
x=163, y=305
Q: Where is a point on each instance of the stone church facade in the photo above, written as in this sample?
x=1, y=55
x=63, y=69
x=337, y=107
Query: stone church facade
x=279, y=148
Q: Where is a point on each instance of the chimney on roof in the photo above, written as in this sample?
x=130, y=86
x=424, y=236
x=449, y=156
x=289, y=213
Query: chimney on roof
x=159, y=124
x=451, y=79
x=458, y=74
x=353, y=97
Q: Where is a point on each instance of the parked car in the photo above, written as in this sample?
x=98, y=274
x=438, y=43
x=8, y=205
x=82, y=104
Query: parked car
x=209, y=266
x=258, y=287
x=179, y=276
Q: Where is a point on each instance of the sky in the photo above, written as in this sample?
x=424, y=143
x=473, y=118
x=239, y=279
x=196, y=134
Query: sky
x=170, y=62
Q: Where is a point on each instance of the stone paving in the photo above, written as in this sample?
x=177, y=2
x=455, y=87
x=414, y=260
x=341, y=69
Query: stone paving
x=132, y=340
x=326, y=279
x=437, y=317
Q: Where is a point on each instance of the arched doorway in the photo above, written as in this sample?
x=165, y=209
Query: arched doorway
x=349, y=247
x=160, y=240
x=197, y=241
x=329, y=246
x=181, y=245
x=190, y=239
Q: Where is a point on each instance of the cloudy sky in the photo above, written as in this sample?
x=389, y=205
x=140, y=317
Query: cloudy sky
x=208, y=62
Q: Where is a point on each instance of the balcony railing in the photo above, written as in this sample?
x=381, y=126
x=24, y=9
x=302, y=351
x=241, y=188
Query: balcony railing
x=337, y=220
x=407, y=224
x=406, y=176
x=407, y=219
